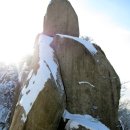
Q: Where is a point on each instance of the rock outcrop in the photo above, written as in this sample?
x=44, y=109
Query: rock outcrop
x=70, y=79
x=91, y=84
x=61, y=18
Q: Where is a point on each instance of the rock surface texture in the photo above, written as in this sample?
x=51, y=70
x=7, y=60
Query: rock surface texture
x=71, y=84
x=61, y=18
x=91, y=84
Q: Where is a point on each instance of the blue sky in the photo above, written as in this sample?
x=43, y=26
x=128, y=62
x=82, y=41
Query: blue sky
x=119, y=10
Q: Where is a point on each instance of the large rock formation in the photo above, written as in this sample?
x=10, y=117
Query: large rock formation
x=91, y=85
x=61, y=18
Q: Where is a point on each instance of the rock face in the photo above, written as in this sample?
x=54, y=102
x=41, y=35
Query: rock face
x=61, y=18
x=91, y=84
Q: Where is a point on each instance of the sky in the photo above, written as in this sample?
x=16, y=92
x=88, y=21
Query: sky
x=107, y=22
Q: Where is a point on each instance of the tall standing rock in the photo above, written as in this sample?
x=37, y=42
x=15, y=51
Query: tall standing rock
x=61, y=18
x=92, y=87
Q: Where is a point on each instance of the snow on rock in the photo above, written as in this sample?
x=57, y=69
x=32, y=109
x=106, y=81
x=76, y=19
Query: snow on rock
x=85, y=82
x=36, y=84
x=87, y=44
x=46, y=54
x=47, y=68
x=71, y=124
x=87, y=121
x=23, y=118
x=30, y=75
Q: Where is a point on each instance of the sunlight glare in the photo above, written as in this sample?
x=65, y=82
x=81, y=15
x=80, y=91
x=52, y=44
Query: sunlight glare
x=21, y=21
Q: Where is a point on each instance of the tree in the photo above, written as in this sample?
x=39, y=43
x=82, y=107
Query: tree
x=124, y=114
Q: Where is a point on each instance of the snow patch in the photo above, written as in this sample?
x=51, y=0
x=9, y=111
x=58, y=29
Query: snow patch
x=40, y=78
x=71, y=124
x=30, y=74
x=37, y=82
x=48, y=68
x=46, y=54
x=87, y=44
x=85, y=82
x=23, y=118
x=86, y=121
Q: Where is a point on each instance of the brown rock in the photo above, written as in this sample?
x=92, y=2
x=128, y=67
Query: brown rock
x=48, y=107
x=61, y=18
x=45, y=113
x=77, y=65
x=47, y=110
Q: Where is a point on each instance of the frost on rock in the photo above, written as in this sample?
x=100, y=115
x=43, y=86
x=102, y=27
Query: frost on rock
x=48, y=68
x=8, y=81
x=87, y=44
x=87, y=121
